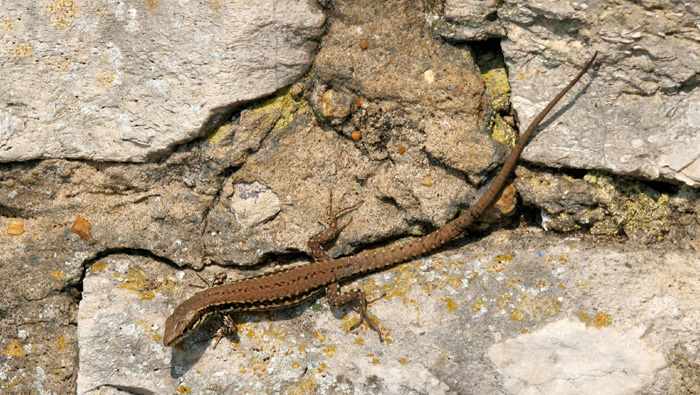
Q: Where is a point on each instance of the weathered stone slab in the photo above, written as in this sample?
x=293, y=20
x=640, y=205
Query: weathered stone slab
x=121, y=81
x=640, y=114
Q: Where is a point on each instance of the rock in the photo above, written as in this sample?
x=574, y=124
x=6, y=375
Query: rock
x=124, y=82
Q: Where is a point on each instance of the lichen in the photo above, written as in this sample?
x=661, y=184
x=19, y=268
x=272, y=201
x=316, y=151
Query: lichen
x=629, y=206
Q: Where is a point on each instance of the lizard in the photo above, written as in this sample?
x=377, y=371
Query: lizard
x=290, y=286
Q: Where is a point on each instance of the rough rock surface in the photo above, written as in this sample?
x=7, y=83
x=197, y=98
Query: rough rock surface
x=515, y=312
x=640, y=113
x=122, y=81
x=393, y=116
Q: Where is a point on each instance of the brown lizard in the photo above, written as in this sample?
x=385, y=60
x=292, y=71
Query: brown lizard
x=289, y=286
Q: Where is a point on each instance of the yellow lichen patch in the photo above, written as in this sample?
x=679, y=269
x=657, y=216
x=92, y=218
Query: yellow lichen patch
x=538, y=306
x=450, y=304
x=285, y=105
x=426, y=181
x=502, y=131
x=329, y=350
x=181, y=389
x=221, y=133
x=98, y=266
x=62, y=345
x=136, y=281
x=147, y=328
x=513, y=281
x=16, y=227
x=302, y=349
x=504, y=302
x=630, y=206
x=499, y=264
x=153, y=4
x=57, y=274
x=22, y=50
x=542, y=284
x=296, y=365
x=319, y=336
x=106, y=79
x=15, y=350
x=306, y=386
x=9, y=24
x=478, y=305
x=360, y=341
x=600, y=320
x=403, y=361
x=517, y=315
x=214, y=4
x=63, y=13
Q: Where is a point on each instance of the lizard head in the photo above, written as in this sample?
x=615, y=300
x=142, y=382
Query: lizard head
x=180, y=324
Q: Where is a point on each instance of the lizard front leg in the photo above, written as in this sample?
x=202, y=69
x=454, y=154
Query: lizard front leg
x=335, y=297
x=332, y=230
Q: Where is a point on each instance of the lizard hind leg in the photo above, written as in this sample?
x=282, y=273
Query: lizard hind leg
x=332, y=229
x=338, y=299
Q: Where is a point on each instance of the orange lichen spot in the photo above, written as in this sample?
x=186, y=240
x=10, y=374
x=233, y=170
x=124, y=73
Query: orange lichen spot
x=16, y=227
x=358, y=102
x=57, y=274
x=16, y=350
x=329, y=350
x=478, y=305
x=426, y=181
x=524, y=330
x=81, y=227
x=542, y=284
x=450, y=304
x=183, y=390
x=356, y=135
x=402, y=149
x=295, y=365
x=364, y=43
x=63, y=13
x=22, y=50
x=517, y=315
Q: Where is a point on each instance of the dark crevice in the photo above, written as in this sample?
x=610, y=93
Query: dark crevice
x=141, y=252
x=13, y=212
x=126, y=389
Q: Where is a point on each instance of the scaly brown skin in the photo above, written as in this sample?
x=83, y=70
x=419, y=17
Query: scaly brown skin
x=289, y=286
